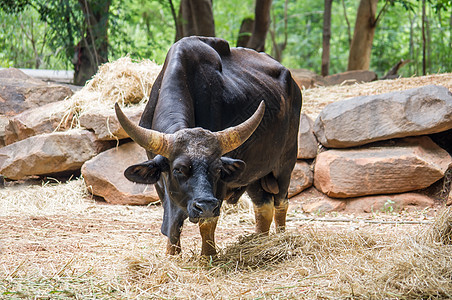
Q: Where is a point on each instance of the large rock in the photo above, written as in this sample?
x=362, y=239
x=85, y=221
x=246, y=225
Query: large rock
x=313, y=201
x=321, y=203
x=47, y=118
x=4, y=121
x=366, y=119
x=104, y=175
x=301, y=179
x=307, y=142
x=35, y=121
x=389, y=203
x=19, y=92
x=306, y=79
x=105, y=124
x=383, y=168
x=48, y=154
x=350, y=77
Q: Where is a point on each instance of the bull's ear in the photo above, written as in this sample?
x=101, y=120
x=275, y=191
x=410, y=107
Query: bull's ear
x=147, y=172
x=231, y=168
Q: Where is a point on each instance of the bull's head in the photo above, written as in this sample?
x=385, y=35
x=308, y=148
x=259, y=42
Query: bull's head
x=193, y=161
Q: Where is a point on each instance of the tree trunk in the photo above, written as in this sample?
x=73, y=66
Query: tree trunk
x=361, y=47
x=450, y=30
x=246, y=28
x=92, y=50
x=177, y=23
x=424, y=42
x=412, y=21
x=326, y=38
x=261, y=25
x=278, y=48
x=196, y=18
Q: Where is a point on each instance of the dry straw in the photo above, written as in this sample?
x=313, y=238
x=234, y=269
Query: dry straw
x=308, y=264
x=47, y=199
x=124, y=81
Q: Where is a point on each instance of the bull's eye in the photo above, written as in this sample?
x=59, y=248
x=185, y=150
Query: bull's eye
x=181, y=171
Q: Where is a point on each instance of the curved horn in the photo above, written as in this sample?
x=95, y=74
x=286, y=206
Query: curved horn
x=231, y=138
x=151, y=140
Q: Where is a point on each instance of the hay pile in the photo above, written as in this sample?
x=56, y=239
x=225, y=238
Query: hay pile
x=124, y=81
x=309, y=264
x=47, y=199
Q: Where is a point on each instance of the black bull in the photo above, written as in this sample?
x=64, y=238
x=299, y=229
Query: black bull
x=219, y=122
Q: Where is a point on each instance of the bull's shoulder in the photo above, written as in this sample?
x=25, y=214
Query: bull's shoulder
x=201, y=44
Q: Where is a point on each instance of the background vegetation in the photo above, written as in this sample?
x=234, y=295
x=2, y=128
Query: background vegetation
x=145, y=29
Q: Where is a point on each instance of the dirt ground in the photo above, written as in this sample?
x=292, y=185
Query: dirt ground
x=88, y=253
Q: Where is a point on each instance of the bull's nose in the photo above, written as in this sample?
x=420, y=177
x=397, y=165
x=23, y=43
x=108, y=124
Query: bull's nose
x=204, y=208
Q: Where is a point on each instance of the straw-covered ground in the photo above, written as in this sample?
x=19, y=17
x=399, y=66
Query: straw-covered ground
x=57, y=242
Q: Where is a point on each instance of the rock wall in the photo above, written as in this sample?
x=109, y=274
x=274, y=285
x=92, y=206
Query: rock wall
x=357, y=153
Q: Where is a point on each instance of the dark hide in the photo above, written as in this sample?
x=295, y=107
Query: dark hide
x=206, y=84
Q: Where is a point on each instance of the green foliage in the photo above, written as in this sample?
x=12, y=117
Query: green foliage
x=388, y=206
x=24, y=42
x=228, y=18
x=141, y=29
x=399, y=36
x=305, y=29
x=66, y=21
x=14, y=6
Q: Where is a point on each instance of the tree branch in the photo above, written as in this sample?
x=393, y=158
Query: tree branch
x=380, y=14
x=348, y=23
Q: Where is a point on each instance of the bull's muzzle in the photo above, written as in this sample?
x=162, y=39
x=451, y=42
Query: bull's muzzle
x=203, y=208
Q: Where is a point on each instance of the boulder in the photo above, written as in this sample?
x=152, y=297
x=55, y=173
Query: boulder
x=365, y=119
x=388, y=203
x=105, y=124
x=307, y=142
x=104, y=176
x=323, y=206
x=382, y=168
x=312, y=201
x=301, y=179
x=4, y=121
x=351, y=77
x=35, y=121
x=306, y=79
x=19, y=92
x=367, y=204
x=48, y=154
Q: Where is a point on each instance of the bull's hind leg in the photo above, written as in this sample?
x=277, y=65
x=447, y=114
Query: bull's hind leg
x=269, y=196
x=280, y=214
x=263, y=207
x=207, y=229
x=263, y=215
x=281, y=200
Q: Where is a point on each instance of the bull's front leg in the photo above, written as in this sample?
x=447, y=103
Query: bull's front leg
x=173, y=249
x=207, y=229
